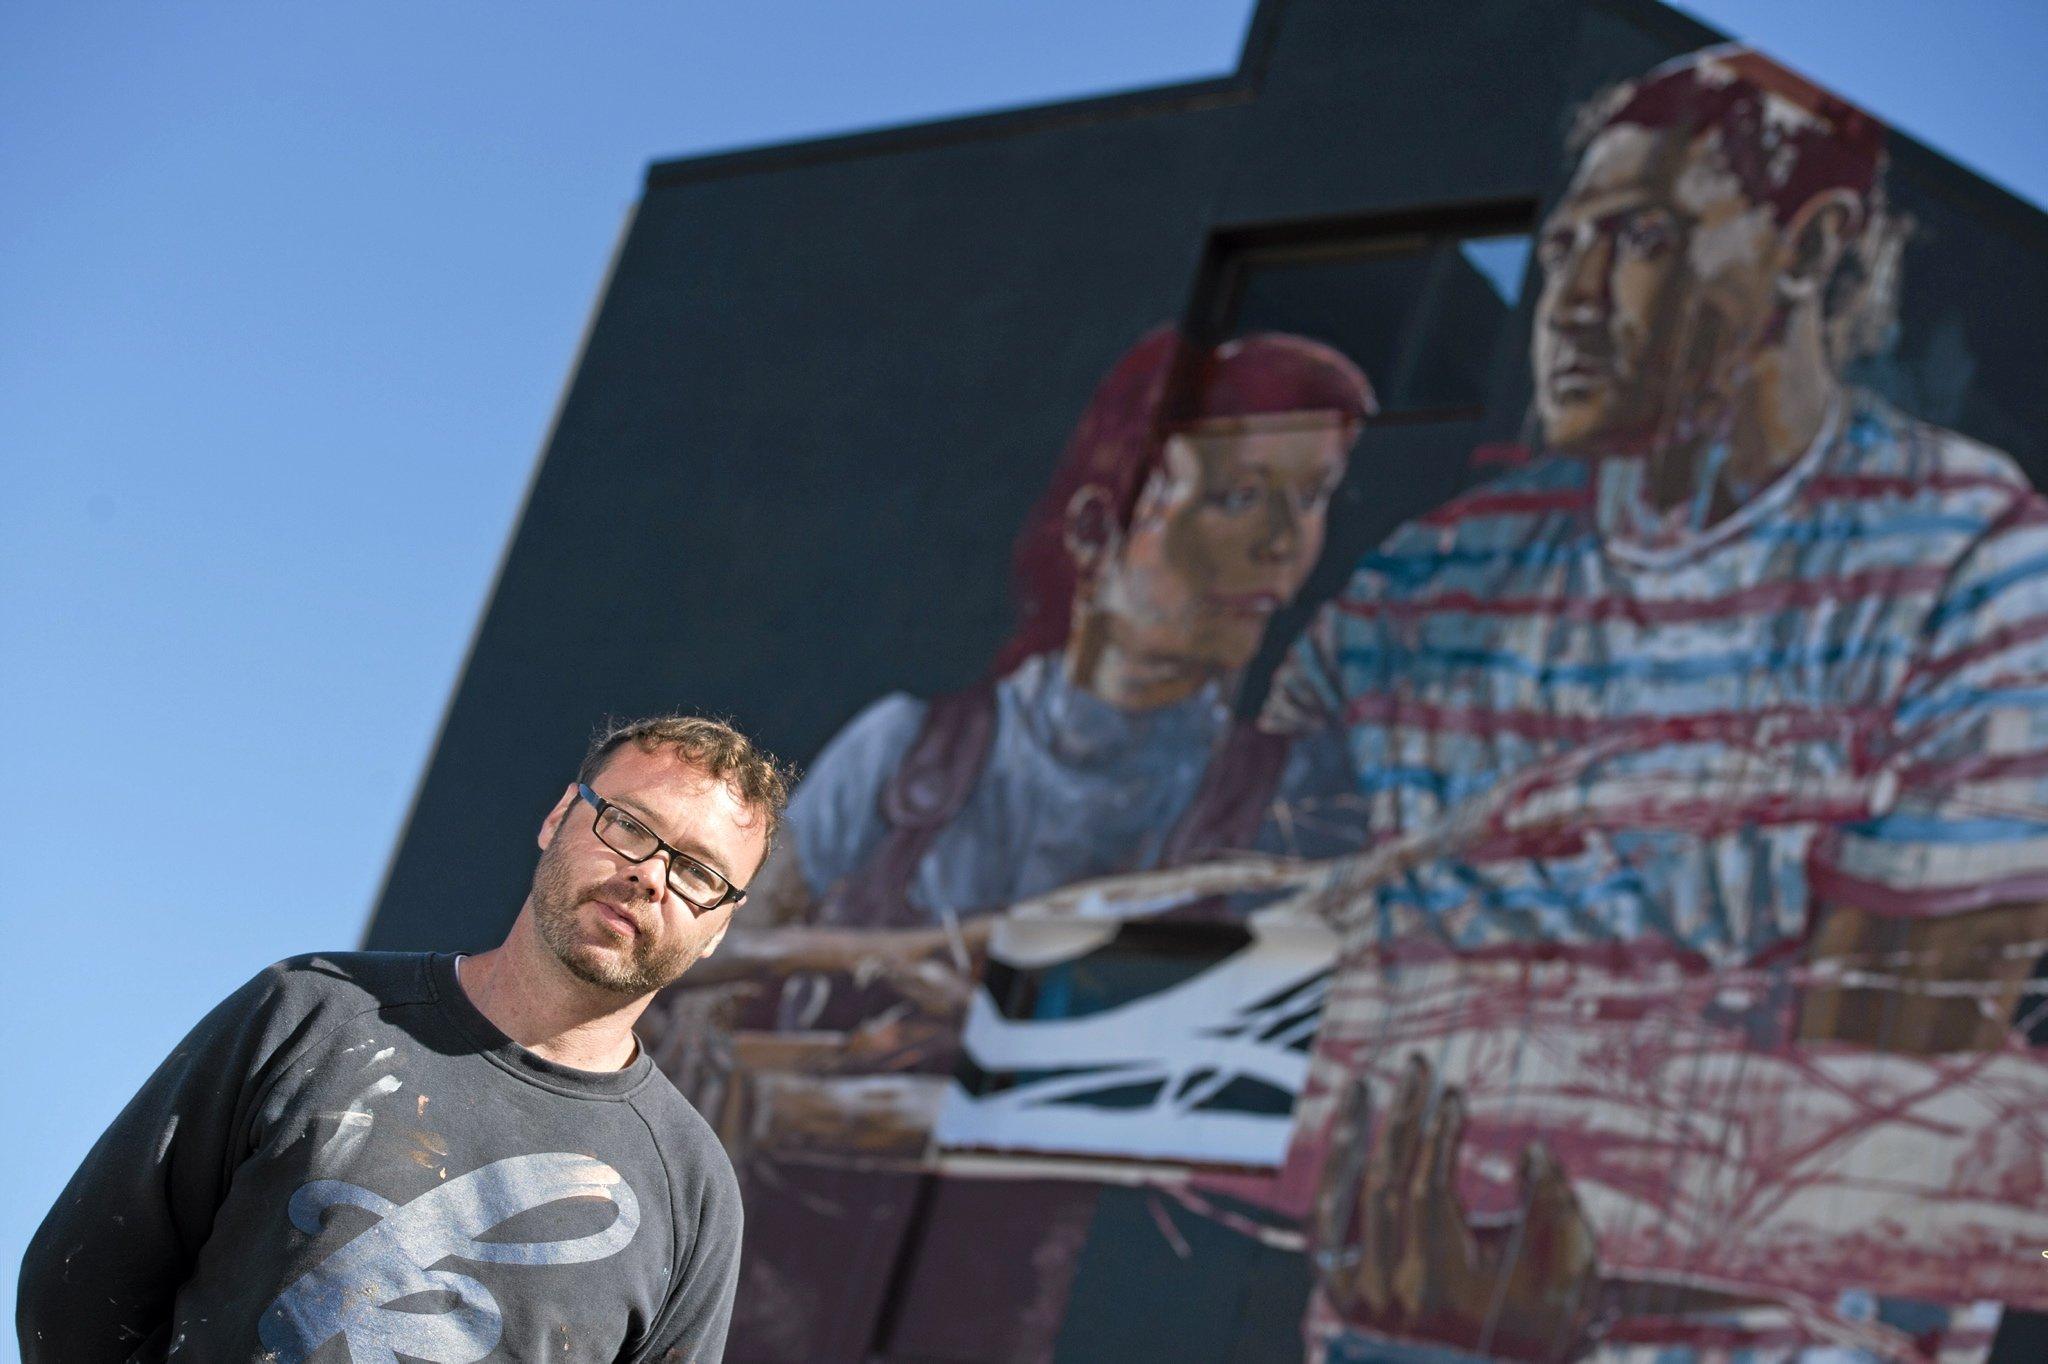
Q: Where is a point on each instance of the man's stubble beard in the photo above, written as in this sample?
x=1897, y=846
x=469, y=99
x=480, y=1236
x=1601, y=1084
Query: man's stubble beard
x=557, y=903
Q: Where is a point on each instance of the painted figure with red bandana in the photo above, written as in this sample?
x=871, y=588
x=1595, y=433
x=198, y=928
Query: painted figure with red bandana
x=1187, y=509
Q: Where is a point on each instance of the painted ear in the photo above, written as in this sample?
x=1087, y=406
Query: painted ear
x=1091, y=530
x=1815, y=239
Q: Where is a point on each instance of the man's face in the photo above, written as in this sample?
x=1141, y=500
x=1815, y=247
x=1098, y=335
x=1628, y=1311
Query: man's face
x=1224, y=535
x=615, y=924
x=1659, y=281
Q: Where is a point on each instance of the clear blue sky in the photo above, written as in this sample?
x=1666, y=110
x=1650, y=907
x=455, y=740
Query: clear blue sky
x=287, y=293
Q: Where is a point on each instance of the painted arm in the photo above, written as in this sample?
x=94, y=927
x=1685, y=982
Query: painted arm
x=1921, y=986
x=738, y=1034
x=777, y=939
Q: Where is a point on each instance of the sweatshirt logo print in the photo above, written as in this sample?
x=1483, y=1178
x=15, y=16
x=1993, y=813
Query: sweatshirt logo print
x=352, y=1293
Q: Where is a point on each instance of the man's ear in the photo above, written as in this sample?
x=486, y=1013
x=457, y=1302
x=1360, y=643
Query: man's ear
x=1090, y=528
x=556, y=816
x=1814, y=241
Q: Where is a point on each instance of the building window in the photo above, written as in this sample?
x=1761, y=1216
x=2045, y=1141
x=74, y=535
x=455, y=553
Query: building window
x=1420, y=308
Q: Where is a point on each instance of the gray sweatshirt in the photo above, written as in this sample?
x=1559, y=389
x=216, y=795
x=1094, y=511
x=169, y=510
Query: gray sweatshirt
x=346, y=1163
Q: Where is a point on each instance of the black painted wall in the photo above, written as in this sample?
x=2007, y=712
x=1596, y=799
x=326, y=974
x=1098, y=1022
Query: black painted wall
x=826, y=380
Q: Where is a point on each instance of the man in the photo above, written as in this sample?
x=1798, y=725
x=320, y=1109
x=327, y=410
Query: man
x=1737, y=588
x=434, y=1157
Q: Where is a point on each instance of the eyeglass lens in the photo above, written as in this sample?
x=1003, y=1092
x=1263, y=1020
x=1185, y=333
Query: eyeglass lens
x=690, y=879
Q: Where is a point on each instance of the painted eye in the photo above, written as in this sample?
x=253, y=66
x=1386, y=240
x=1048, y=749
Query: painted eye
x=1644, y=235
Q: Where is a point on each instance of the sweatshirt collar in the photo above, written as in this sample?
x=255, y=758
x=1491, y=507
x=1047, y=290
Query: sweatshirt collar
x=510, y=1056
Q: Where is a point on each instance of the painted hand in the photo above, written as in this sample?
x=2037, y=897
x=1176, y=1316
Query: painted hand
x=931, y=969
x=1397, y=1254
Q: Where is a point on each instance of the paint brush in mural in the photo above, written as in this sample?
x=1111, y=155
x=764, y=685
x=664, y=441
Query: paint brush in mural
x=1564, y=795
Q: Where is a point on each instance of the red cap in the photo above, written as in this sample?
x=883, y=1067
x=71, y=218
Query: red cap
x=1785, y=138
x=1159, y=384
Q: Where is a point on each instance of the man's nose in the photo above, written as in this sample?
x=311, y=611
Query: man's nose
x=649, y=876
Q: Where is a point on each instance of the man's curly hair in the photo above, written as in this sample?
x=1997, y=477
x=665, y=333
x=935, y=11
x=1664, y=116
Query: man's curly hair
x=755, y=776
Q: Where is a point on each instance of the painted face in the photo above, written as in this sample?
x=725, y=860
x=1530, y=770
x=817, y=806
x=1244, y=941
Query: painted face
x=1224, y=535
x=614, y=923
x=1658, y=290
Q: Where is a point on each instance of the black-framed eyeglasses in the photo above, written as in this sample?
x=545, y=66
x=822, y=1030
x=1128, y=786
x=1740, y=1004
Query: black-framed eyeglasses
x=697, y=885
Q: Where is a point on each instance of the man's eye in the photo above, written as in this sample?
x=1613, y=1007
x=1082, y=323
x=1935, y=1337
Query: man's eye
x=1235, y=500
x=695, y=881
x=1553, y=247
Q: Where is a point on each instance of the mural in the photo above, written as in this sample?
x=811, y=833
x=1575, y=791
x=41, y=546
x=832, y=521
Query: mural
x=1188, y=508
x=1616, y=937
x=1708, y=1038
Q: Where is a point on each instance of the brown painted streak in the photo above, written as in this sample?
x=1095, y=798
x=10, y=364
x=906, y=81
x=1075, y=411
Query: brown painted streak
x=1321, y=889
x=1784, y=724
x=1339, y=891
x=1764, y=597
x=1145, y=893
x=1507, y=503
x=981, y=1163
x=840, y=1117
x=788, y=951
x=810, y=1053
x=1703, y=819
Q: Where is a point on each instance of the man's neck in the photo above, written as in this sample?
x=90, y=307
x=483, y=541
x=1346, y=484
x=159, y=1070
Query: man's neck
x=534, y=1000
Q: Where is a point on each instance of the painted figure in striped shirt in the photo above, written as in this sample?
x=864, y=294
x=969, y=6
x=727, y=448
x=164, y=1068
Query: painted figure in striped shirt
x=1798, y=642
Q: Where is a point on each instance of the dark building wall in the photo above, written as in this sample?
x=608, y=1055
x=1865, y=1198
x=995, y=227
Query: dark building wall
x=826, y=382
x=810, y=394
x=825, y=377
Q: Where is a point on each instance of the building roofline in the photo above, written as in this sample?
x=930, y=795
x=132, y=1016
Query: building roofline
x=1237, y=87
x=1674, y=25
x=1980, y=193
x=2016, y=214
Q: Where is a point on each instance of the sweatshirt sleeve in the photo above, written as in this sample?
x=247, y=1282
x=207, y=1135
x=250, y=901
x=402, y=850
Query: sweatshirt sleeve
x=692, y=1330
x=101, y=1275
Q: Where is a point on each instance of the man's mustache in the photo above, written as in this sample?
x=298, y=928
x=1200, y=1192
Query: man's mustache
x=634, y=899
